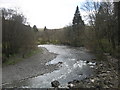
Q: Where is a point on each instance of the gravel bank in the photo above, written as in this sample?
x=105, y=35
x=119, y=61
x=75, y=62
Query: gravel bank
x=30, y=67
x=106, y=76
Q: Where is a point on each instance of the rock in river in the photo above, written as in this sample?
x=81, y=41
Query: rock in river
x=60, y=62
x=55, y=83
x=87, y=61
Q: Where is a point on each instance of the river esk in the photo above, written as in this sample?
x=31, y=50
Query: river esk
x=72, y=63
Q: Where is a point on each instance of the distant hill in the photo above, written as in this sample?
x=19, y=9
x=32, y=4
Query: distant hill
x=40, y=29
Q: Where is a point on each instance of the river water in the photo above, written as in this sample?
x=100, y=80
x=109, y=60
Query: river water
x=73, y=66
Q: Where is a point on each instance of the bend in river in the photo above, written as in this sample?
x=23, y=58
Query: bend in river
x=72, y=63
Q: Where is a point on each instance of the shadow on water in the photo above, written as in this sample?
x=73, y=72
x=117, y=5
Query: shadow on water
x=72, y=66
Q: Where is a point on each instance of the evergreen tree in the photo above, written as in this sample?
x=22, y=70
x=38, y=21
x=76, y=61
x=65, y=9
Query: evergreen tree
x=35, y=28
x=77, y=18
x=45, y=28
x=78, y=26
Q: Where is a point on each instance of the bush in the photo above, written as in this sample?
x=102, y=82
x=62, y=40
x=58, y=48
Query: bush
x=107, y=46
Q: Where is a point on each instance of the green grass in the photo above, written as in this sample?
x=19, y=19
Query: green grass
x=12, y=60
x=48, y=42
x=100, y=57
x=17, y=57
x=107, y=46
x=54, y=41
x=33, y=52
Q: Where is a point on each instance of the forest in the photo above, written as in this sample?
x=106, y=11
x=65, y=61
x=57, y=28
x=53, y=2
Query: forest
x=16, y=36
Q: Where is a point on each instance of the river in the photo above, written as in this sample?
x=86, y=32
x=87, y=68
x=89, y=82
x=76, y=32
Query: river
x=73, y=66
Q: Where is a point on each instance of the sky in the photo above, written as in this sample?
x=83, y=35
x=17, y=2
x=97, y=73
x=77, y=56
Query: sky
x=49, y=13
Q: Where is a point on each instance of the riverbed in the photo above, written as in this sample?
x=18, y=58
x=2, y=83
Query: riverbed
x=74, y=63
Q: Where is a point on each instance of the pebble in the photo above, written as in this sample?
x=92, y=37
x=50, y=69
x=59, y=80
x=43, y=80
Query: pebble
x=104, y=78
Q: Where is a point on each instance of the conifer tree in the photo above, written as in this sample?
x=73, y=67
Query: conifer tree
x=78, y=26
x=35, y=28
x=77, y=18
x=45, y=28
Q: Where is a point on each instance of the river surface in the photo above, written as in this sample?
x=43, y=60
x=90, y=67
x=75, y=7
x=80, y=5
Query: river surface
x=73, y=66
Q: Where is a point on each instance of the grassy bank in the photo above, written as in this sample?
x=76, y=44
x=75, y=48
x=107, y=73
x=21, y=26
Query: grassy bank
x=18, y=57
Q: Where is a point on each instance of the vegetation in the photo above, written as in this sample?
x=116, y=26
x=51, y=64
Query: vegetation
x=17, y=57
x=100, y=35
x=103, y=28
x=16, y=36
x=77, y=29
x=70, y=35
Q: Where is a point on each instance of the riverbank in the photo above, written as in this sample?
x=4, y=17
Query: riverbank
x=106, y=75
x=16, y=58
x=77, y=67
x=30, y=67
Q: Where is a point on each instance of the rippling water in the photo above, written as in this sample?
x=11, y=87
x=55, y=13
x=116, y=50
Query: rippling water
x=74, y=67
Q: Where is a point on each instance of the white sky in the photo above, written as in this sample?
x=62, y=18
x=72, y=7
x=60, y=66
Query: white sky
x=49, y=13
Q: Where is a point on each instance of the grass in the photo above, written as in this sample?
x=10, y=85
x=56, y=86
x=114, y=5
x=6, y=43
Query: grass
x=12, y=60
x=33, y=52
x=17, y=57
x=48, y=42
x=100, y=57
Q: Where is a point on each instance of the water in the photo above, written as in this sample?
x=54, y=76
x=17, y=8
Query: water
x=74, y=67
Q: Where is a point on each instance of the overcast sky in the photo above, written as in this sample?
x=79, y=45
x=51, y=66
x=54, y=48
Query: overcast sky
x=49, y=13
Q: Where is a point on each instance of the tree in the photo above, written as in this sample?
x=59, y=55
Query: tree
x=45, y=28
x=103, y=20
x=16, y=36
x=119, y=23
x=117, y=18
x=35, y=28
x=78, y=26
x=77, y=18
x=14, y=15
x=106, y=23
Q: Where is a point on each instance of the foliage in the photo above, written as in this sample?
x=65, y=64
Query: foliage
x=101, y=35
x=16, y=36
x=17, y=58
x=102, y=31
x=45, y=28
x=78, y=27
x=35, y=28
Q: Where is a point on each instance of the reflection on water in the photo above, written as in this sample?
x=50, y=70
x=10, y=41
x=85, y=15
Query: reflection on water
x=74, y=67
